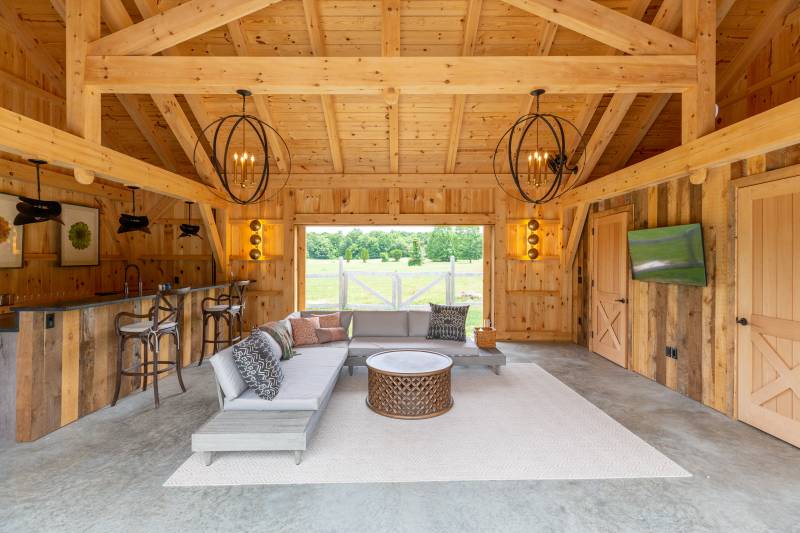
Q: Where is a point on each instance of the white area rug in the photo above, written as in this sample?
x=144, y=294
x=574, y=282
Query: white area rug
x=522, y=425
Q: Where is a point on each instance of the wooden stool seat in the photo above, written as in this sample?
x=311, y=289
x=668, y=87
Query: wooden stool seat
x=227, y=308
x=145, y=325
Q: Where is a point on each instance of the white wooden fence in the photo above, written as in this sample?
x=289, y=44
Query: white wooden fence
x=397, y=299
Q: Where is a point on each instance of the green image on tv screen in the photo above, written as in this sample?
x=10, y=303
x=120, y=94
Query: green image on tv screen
x=672, y=254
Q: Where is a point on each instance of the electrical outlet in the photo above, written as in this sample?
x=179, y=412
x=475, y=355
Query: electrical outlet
x=49, y=321
x=674, y=353
x=671, y=352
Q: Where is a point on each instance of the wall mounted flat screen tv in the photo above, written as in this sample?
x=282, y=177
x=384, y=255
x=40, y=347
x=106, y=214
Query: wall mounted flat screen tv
x=671, y=254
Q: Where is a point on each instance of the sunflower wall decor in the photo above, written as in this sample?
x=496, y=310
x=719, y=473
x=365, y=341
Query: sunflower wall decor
x=80, y=236
x=11, y=236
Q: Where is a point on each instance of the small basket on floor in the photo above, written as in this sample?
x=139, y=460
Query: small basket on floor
x=486, y=337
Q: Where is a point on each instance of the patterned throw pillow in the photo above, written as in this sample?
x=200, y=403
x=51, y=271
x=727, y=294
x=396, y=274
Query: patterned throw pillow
x=258, y=366
x=448, y=322
x=331, y=334
x=304, y=330
x=330, y=321
x=278, y=331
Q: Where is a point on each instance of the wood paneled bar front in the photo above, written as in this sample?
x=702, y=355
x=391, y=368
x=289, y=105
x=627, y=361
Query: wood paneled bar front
x=66, y=357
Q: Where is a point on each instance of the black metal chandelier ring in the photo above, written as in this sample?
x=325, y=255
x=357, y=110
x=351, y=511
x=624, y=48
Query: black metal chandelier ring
x=238, y=174
x=547, y=177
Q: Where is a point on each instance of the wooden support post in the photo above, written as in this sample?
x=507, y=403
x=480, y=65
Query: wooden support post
x=289, y=253
x=499, y=284
x=83, y=103
x=698, y=103
x=390, y=47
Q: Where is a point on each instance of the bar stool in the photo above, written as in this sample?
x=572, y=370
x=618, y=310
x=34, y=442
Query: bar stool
x=228, y=308
x=163, y=318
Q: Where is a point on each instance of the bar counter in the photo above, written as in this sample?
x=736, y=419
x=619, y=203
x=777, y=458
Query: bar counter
x=65, y=358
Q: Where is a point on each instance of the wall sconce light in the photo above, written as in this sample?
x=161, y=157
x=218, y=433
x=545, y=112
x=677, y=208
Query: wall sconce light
x=533, y=239
x=255, y=240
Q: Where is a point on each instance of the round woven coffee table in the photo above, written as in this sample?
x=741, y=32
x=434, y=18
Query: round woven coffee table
x=409, y=383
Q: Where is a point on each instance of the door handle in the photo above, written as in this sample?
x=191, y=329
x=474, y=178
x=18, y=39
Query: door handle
x=621, y=300
x=742, y=321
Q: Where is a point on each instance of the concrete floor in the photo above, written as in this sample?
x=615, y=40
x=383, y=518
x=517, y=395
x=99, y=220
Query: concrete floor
x=104, y=473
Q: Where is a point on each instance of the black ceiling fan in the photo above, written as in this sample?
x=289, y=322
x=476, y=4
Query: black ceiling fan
x=33, y=210
x=188, y=229
x=133, y=222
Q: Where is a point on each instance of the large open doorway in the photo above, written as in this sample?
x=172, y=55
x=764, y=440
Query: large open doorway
x=395, y=267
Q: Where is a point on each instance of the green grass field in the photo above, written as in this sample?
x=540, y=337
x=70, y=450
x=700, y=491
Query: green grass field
x=468, y=290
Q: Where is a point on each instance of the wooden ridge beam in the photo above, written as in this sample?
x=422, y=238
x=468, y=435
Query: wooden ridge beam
x=371, y=75
x=459, y=101
x=25, y=137
x=610, y=27
x=762, y=133
x=174, y=26
x=314, y=28
x=769, y=26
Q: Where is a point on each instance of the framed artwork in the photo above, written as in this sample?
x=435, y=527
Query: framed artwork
x=11, y=236
x=80, y=236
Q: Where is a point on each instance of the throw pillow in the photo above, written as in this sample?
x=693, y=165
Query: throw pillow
x=258, y=366
x=329, y=321
x=304, y=330
x=281, y=335
x=331, y=334
x=448, y=322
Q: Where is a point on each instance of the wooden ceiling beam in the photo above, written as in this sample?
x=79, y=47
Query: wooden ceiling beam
x=263, y=109
x=667, y=18
x=26, y=172
x=762, y=133
x=84, y=107
x=390, y=47
x=608, y=26
x=723, y=8
x=391, y=180
x=459, y=101
x=174, y=26
x=315, y=36
x=767, y=28
x=25, y=137
x=371, y=75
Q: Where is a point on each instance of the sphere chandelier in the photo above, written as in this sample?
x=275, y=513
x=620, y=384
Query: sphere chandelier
x=240, y=152
x=535, y=150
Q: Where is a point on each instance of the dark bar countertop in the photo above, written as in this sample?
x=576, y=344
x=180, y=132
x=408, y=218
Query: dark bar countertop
x=105, y=299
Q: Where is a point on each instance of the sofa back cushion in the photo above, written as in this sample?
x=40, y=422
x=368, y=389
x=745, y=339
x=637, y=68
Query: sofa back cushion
x=228, y=377
x=418, y=322
x=380, y=324
x=345, y=317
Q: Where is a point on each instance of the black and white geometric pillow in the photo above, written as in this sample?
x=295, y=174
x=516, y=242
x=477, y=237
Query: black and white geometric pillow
x=258, y=366
x=448, y=322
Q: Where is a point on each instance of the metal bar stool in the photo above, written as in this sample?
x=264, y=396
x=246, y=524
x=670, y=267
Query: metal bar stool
x=163, y=318
x=228, y=308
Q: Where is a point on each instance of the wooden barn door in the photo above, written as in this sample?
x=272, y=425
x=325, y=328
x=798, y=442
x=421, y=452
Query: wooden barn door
x=768, y=307
x=610, y=287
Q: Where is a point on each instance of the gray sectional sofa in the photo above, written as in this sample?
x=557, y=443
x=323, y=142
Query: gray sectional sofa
x=245, y=420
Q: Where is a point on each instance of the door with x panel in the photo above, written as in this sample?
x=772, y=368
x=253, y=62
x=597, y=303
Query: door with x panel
x=609, y=303
x=768, y=307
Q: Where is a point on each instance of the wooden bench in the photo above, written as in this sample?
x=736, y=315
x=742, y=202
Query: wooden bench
x=244, y=431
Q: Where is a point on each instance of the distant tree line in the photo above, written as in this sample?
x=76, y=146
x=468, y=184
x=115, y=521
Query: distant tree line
x=464, y=243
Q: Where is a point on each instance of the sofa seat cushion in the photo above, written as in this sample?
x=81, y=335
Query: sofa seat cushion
x=365, y=346
x=306, y=385
x=331, y=354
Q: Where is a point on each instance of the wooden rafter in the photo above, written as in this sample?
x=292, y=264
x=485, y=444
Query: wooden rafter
x=328, y=109
x=390, y=47
x=771, y=130
x=603, y=24
x=697, y=103
x=26, y=137
x=84, y=108
x=134, y=106
x=470, y=33
x=763, y=33
x=371, y=75
x=49, y=67
x=667, y=18
x=174, y=26
x=263, y=109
